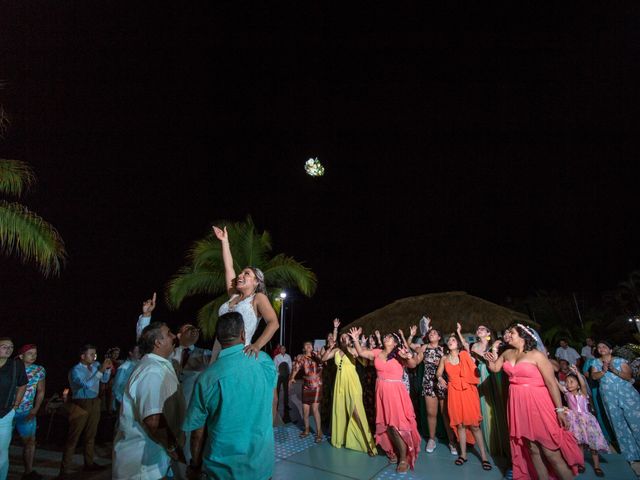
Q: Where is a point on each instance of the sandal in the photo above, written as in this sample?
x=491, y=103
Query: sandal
x=305, y=434
x=581, y=469
x=400, y=469
x=460, y=461
x=393, y=459
x=486, y=465
x=319, y=438
x=599, y=472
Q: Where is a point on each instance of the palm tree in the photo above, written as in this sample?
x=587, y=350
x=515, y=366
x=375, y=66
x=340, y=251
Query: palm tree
x=204, y=272
x=22, y=231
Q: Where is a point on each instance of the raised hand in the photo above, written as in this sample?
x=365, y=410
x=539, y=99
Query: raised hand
x=413, y=329
x=148, y=306
x=221, y=234
x=458, y=327
x=354, y=333
x=404, y=353
x=377, y=333
x=336, y=323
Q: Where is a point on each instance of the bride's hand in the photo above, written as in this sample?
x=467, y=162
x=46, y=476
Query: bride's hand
x=252, y=350
x=221, y=234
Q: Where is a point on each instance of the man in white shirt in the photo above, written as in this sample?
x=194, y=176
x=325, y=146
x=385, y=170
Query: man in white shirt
x=145, y=318
x=587, y=351
x=283, y=367
x=149, y=434
x=565, y=352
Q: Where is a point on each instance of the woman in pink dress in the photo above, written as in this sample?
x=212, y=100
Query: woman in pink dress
x=396, y=428
x=540, y=444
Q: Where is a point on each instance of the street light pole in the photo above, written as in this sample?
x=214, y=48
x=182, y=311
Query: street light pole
x=283, y=295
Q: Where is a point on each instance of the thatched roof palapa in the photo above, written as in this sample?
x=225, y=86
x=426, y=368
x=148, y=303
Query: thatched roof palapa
x=444, y=309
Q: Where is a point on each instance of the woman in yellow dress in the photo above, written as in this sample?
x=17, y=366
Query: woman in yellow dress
x=349, y=427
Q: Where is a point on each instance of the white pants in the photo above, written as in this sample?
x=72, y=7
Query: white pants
x=6, y=428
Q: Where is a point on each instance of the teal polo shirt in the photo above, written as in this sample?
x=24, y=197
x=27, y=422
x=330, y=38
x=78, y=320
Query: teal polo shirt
x=233, y=398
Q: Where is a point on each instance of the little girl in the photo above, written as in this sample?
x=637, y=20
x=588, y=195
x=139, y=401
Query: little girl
x=582, y=423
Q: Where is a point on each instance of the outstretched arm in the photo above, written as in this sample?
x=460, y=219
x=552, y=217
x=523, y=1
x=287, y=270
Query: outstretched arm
x=336, y=324
x=227, y=259
x=465, y=344
x=145, y=317
x=354, y=333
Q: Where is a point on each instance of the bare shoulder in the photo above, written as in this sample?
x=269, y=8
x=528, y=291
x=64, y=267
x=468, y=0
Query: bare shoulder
x=537, y=356
x=261, y=297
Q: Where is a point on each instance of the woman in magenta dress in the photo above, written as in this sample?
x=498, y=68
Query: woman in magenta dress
x=396, y=428
x=540, y=444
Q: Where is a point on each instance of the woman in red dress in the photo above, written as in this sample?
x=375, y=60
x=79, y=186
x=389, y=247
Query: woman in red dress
x=396, y=428
x=463, y=401
x=311, y=365
x=540, y=442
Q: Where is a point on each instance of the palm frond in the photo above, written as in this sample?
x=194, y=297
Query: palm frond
x=188, y=282
x=204, y=271
x=208, y=316
x=15, y=177
x=282, y=271
x=31, y=237
x=206, y=252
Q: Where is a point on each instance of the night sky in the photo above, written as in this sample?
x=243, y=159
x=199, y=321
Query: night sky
x=488, y=151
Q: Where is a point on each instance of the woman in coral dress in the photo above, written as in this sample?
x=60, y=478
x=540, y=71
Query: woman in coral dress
x=463, y=401
x=349, y=427
x=396, y=428
x=540, y=443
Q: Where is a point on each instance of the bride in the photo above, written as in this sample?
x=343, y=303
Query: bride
x=247, y=296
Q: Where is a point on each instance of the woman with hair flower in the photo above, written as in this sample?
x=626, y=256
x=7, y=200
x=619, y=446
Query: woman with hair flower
x=540, y=443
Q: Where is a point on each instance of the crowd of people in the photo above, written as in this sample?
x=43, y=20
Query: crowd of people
x=541, y=414
x=189, y=412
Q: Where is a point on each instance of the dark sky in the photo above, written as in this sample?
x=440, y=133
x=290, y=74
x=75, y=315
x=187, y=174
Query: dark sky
x=487, y=151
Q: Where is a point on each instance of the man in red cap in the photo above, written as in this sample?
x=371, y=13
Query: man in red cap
x=25, y=419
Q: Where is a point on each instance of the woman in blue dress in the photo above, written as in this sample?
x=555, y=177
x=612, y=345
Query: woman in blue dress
x=621, y=401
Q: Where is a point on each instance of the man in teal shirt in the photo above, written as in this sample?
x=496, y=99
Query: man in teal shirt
x=233, y=398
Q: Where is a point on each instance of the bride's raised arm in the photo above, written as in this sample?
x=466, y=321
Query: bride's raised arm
x=229, y=273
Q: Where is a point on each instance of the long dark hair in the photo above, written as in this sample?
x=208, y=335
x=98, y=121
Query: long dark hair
x=426, y=341
x=394, y=353
x=446, y=344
